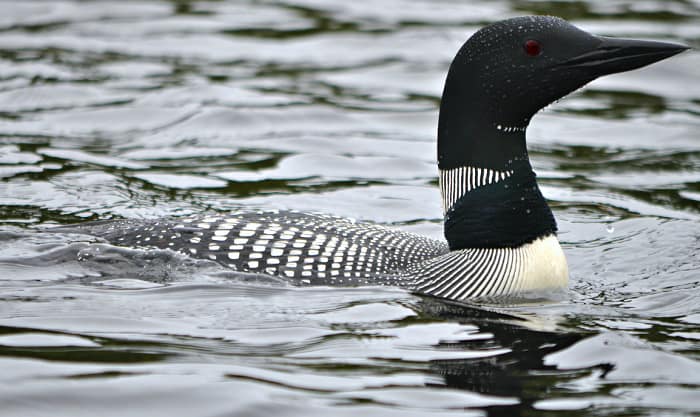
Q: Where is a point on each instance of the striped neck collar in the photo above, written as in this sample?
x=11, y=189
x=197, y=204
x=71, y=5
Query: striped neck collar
x=488, y=208
x=456, y=182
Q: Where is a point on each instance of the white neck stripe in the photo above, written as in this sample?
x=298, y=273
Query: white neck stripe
x=456, y=182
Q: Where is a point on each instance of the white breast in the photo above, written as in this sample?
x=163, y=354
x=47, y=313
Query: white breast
x=478, y=272
x=544, y=266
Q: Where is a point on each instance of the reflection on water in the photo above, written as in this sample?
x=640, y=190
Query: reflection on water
x=153, y=108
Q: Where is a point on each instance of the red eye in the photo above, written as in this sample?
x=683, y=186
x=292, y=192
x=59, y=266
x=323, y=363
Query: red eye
x=533, y=48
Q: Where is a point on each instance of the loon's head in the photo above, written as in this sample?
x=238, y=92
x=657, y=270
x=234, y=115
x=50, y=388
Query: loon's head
x=507, y=71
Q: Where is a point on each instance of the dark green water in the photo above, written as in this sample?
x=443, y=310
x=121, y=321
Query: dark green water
x=144, y=109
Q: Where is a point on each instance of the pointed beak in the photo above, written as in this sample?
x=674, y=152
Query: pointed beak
x=614, y=55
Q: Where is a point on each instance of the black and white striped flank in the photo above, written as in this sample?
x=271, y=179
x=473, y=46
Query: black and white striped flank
x=471, y=273
x=456, y=182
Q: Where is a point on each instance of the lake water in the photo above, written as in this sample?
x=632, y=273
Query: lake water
x=153, y=108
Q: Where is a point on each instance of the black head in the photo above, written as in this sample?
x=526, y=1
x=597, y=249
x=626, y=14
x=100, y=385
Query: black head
x=507, y=71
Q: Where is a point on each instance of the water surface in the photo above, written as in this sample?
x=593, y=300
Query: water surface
x=152, y=108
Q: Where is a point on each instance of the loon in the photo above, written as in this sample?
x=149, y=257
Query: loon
x=500, y=233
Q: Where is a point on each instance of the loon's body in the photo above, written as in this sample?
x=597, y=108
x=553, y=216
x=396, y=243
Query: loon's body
x=500, y=232
x=319, y=249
